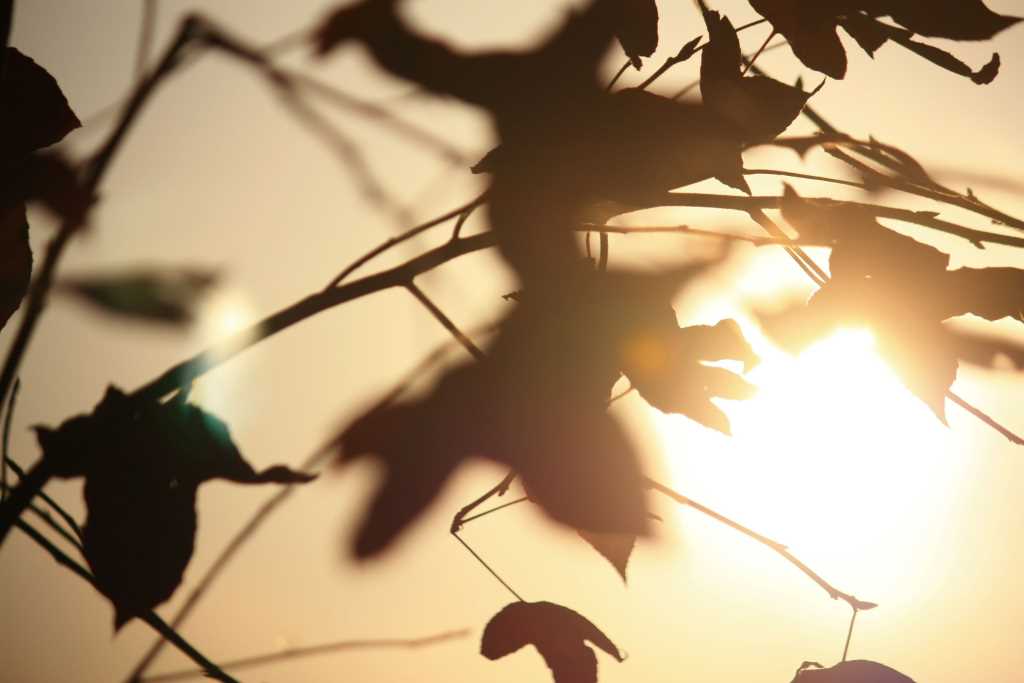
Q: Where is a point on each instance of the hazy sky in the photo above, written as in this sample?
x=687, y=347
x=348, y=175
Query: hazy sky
x=873, y=492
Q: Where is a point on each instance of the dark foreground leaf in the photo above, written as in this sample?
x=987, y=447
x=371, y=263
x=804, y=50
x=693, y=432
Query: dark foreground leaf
x=143, y=462
x=167, y=296
x=35, y=113
x=637, y=29
x=15, y=259
x=616, y=548
x=559, y=634
x=853, y=671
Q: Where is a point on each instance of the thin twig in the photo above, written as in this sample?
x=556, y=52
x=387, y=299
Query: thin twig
x=5, y=456
x=684, y=55
x=805, y=176
x=806, y=263
x=618, y=75
x=54, y=505
x=398, y=239
x=498, y=489
x=750, y=62
x=494, y=509
x=146, y=28
x=151, y=618
x=487, y=567
x=849, y=633
x=445, y=321
x=834, y=592
x=327, y=648
x=984, y=417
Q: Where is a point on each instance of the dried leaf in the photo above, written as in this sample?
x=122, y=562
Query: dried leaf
x=559, y=634
x=852, y=671
x=143, y=462
x=166, y=296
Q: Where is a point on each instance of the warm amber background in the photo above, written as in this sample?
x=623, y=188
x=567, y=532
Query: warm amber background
x=924, y=520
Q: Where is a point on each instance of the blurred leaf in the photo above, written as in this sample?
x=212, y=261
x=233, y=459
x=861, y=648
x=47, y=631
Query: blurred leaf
x=166, y=296
x=616, y=548
x=559, y=634
x=35, y=113
x=760, y=107
x=637, y=29
x=143, y=462
x=986, y=350
x=852, y=671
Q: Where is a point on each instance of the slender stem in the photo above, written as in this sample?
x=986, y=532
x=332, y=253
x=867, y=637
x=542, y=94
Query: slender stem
x=494, y=509
x=498, y=489
x=146, y=27
x=408, y=234
x=210, y=669
x=806, y=263
x=684, y=55
x=849, y=633
x=698, y=232
x=805, y=176
x=445, y=321
x=5, y=456
x=750, y=62
x=48, y=519
x=984, y=417
x=487, y=567
x=297, y=652
x=54, y=505
x=602, y=251
x=618, y=75
x=834, y=592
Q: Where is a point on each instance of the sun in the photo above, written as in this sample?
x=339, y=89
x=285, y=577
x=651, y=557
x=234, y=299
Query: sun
x=834, y=457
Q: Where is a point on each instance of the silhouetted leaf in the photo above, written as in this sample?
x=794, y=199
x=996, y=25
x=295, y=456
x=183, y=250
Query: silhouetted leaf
x=15, y=258
x=810, y=29
x=637, y=29
x=616, y=548
x=663, y=363
x=143, y=462
x=35, y=112
x=559, y=634
x=955, y=19
x=852, y=671
x=168, y=296
x=758, y=106
x=941, y=58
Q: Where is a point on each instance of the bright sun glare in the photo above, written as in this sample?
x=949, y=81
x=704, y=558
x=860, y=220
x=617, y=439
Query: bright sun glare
x=831, y=451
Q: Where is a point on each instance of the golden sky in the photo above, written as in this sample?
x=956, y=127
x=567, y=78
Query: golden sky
x=866, y=486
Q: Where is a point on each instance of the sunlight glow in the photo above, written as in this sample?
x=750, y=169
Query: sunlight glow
x=834, y=457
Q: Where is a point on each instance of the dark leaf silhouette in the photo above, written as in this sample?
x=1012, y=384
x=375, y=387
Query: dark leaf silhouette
x=559, y=634
x=616, y=548
x=35, y=113
x=852, y=671
x=954, y=19
x=663, y=363
x=143, y=462
x=15, y=259
x=758, y=106
x=810, y=29
x=168, y=296
x=637, y=29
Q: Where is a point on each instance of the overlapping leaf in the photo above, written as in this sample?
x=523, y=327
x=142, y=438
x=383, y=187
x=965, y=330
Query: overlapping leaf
x=143, y=462
x=899, y=288
x=760, y=107
x=811, y=29
x=852, y=671
x=559, y=634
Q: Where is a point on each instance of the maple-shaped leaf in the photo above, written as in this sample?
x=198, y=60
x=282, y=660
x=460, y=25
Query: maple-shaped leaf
x=759, y=106
x=35, y=113
x=637, y=29
x=616, y=548
x=810, y=29
x=143, y=462
x=168, y=295
x=664, y=364
x=559, y=634
x=954, y=19
x=852, y=671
